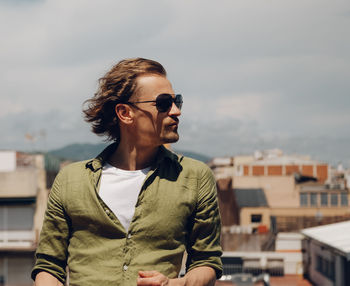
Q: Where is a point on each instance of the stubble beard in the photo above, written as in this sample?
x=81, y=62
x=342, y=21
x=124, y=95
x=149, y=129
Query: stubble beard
x=170, y=136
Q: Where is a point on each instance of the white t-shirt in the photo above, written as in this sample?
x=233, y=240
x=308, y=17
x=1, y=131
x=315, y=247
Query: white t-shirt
x=119, y=189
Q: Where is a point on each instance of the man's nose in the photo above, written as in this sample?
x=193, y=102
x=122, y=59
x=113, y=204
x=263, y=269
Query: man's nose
x=174, y=110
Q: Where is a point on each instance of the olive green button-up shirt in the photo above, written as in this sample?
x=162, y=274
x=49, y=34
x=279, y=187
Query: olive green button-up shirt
x=176, y=210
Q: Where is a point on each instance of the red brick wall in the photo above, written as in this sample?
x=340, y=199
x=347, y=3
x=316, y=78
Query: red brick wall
x=307, y=170
x=274, y=170
x=322, y=172
x=246, y=170
x=290, y=169
x=258, y=170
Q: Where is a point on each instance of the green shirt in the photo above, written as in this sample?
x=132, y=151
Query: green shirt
x=176, y=210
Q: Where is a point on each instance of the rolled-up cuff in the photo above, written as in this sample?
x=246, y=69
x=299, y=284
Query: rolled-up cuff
x=50, y=265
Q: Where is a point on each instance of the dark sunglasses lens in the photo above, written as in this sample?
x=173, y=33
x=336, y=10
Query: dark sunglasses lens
x=178, y=101
x=164, y=102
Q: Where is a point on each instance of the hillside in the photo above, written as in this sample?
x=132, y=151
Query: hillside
x=78, y=152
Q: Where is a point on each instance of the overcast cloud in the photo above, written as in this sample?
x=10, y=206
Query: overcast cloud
x=254, y=74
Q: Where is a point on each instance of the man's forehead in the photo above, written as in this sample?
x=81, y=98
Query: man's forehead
x=151, y=85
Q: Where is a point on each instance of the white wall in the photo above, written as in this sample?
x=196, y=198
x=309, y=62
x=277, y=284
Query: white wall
x=7, y=161
x=288, y=241
x=22, y=182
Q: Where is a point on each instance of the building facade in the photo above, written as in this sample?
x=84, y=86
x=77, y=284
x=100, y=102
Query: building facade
x=23, y=197
x=327, y=254
x=299, y=192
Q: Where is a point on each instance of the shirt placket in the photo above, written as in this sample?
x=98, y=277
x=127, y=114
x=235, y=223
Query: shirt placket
x=128, y=235
x=97, y=181
x=129, y=246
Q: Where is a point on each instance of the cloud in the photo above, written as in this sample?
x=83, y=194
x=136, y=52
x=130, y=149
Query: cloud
x=245, y=106
x=50, y=129
x=249, y=70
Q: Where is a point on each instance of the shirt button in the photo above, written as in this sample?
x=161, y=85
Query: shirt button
x=125, y=267
x=108, y=212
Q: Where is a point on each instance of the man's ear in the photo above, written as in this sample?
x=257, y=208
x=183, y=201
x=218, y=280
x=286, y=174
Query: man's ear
x=124, y=113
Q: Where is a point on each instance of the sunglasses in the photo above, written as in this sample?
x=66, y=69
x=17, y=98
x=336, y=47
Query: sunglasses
x=164, y=101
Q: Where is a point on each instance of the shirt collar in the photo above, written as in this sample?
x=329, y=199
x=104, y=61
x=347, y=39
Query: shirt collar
x=162, y=155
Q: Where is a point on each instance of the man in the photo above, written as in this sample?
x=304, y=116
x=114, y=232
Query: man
x=126, y=217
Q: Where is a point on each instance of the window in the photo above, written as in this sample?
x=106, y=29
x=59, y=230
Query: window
x=3, y=266
x=16, y=217
x=324, y=199
x=16, y=269
x=331, y=271
x=256, y=218
x=344, y=199
x=313, y=199
x=303, y=199
x=326, y=267
x=319, y=263
x=334, y=199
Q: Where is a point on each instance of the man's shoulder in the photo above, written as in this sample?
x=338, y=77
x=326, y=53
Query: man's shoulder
x=192, y=163
x=192, y=166
x=76, y=166
x=75, y=169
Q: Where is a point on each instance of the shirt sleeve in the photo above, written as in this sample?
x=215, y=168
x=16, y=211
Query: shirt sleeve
x=51, y=254
x=204, y=239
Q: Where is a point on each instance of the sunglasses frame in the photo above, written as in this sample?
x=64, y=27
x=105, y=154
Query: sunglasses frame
x=177, y=100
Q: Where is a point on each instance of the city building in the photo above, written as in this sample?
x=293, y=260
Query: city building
x=327, y=254
x=224, y=167
x=298, y=192
x=23, y=197
x=265, y=200
x=275, y=163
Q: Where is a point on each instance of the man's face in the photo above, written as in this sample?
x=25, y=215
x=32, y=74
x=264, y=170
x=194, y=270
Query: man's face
x=152, y=127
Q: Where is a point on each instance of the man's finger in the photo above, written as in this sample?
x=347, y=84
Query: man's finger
x=149, y=281
x=148, y=273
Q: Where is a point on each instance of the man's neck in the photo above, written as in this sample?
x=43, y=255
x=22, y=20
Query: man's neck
x=132, y=157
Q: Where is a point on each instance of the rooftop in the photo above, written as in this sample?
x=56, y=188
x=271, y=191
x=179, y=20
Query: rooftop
x=285, y=160
x=336, y=236
x=250, y=198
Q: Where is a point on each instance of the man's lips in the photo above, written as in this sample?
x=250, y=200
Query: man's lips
x=174, y=123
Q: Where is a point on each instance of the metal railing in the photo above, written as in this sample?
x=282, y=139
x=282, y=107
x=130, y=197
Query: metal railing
x=247, y=279
x=230, y=269
x=17, y=238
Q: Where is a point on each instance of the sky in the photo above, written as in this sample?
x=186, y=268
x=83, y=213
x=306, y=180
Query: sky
x=254, y=74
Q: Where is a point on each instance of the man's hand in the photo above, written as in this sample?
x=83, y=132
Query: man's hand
x=199, y=276
x=150, y=278
x=155, y=278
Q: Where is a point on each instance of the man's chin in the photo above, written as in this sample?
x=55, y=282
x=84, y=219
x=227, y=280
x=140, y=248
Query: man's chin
x=171, y=139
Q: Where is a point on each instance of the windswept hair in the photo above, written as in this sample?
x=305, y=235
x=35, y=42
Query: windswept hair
x=115, y=87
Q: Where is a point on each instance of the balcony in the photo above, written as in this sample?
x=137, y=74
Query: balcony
x=17, y=239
